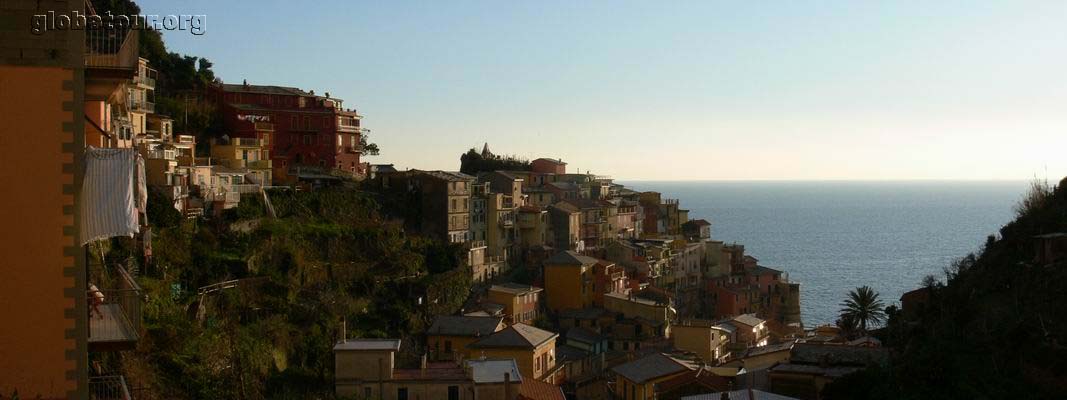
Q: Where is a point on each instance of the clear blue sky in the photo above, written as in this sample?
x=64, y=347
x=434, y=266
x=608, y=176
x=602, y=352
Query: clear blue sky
x=691, y=90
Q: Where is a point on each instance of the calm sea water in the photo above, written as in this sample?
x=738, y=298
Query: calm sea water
x=832, y=237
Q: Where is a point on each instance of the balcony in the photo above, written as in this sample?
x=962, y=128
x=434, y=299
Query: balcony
x=112, y=387
x=263, y=126
x=114, y=311
x=246, y=142
x=348, y=128
x=259, y=164
x=148, y=80
x=111, y=49
x=507, y=222
x=244, y=188
x=142, y=106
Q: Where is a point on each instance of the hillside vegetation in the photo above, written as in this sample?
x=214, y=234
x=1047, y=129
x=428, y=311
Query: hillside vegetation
x=327, y=260
x=994, y=328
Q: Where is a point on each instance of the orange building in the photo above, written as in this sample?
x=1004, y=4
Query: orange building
x=569, y=281
x=520, y=301
x=63, y=90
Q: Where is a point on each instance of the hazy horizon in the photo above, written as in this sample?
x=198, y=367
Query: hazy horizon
x=686, y=91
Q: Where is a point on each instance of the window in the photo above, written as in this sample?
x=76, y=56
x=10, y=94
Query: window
x=448, y=346
x=402, y=394
x=293, y=123
x=453, y=393
x=367, y=392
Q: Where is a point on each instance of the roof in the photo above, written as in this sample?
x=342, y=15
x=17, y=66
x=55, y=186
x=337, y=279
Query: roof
x=514, y=288
x=566, y=207
x=450, y=176
x=570, y=257
x=551, y=160
x=831, y=371
x=583, y=335
x=518, y=335
x=533, y=389
x=509, y=175
x=688, y=381
x=563, y=185
x=697, y=222
x=435, y=371
x=652, y=366
x=635, y=299
x=761, y=270
x=750, y=394
x=492, y=371
x=747, y=319
x=264, y=89
x=569, y=353
x=835, y=354
x=457, y=325
x=771, y=348
x=368, y=345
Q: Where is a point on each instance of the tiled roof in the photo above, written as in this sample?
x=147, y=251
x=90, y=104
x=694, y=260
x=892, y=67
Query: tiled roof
x=566, y=353
x=450, y=176
x=583, y=335
x=698, y=222
x=566, y=207
x=771, y=348
x=650, y=367
x=514, y=288
x=570, y=257
x=533, y=389
x=761, y=270
x=454, y=325
x=552, y=160
x=368, y=344
x=492, y=371
x=831, y=371
x=748, y=319
x=264, y=89
x=518, y=335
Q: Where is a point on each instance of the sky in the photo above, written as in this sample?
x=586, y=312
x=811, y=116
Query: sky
x=715, y=90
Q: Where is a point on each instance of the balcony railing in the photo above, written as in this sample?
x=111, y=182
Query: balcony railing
x=259, y=164
x=244, y=188
x=264, y=126
x=111, y=49
x=145, y=80
x=115, y=311
x=112, y=387
x=140, y=105
x=246, y=142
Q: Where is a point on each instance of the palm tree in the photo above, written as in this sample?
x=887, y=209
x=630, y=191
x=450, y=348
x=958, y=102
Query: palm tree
x=863, y=307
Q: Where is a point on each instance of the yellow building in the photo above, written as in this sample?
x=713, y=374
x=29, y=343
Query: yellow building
x=244, y=153
x=533, y=349
x=702, y=338
x=638, y=307
x=520, y=301
x=637, y=379
x=366, y=369
x=450, y=334
x=569, y=281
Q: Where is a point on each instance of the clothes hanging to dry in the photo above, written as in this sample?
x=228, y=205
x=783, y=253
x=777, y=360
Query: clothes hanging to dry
x=113, y=194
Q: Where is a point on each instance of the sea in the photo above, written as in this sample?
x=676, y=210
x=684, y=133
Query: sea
x=834, y=236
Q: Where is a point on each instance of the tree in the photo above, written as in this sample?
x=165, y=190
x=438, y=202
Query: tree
x=863, y=307
x=369, y=149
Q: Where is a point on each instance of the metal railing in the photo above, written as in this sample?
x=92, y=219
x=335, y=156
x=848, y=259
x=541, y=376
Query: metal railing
x=115, y=310
x=145, y=80
x=139, y=105
x=244, y=188
x=111, y=48
x=112, y=387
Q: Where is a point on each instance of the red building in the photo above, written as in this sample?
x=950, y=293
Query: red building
x=549, y=166
x=300, y=128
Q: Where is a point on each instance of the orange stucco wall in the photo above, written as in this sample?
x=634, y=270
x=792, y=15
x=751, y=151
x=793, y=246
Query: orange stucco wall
x=33, y=341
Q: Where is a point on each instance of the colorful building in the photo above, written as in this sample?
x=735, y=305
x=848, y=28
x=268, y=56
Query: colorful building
x=533, y=349
x=521, y=302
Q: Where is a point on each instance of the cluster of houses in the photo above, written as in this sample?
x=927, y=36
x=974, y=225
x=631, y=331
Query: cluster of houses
x=274, y=136
x=630, y=299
